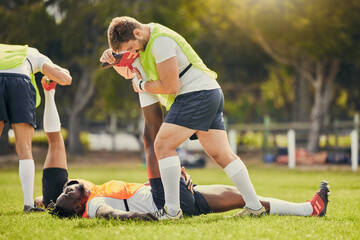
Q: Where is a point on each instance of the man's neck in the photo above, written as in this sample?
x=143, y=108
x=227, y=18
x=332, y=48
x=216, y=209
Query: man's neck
x=146, y=31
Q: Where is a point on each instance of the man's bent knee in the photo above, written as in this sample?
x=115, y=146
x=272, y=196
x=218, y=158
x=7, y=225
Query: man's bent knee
x=163, y=149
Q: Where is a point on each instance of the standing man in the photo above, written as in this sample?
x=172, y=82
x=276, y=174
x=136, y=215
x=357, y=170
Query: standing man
x=19, y=96
x=194, y=101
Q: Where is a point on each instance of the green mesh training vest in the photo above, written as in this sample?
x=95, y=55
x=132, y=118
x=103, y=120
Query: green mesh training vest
x=12, y=56
x=149, y=64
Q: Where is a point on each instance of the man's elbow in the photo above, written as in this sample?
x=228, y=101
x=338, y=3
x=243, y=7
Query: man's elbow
x=172, y=89
x=68, y=80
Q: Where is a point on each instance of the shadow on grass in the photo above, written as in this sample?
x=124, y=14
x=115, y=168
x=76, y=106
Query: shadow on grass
x=14, y=213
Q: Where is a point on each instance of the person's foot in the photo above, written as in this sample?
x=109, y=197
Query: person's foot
x=320, y=200
x=29, y=209
x=251, y=213
x=162, y=214
x=48, y=84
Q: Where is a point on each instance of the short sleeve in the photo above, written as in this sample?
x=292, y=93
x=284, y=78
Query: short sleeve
x=93, y=206
x=163, y=49
x=37, y=59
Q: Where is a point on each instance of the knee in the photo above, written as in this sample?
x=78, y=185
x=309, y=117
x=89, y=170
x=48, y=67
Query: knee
x=222, y=156
x=148, y=140
x=24, y=151
x=163, y=148
x=159, y=146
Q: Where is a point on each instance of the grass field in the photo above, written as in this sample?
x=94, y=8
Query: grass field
x=342, y=220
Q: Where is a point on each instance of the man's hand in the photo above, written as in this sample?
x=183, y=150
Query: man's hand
x=143, y=216
x=138, y=82
x=108, y=57
x=188, y=181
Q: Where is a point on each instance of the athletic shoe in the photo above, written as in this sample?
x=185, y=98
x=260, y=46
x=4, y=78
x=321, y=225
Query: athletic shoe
x=251, y=213
x=320, y=200
x=29, y=209
x=162, y=214
x=123, y=60
x=48, y=84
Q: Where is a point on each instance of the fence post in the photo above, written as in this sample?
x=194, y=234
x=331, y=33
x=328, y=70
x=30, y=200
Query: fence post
x=354, y=149
x=233, y=140
x=291, y=148
x=265, y=144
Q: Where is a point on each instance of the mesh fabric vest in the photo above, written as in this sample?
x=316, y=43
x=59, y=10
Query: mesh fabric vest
x=149, y=64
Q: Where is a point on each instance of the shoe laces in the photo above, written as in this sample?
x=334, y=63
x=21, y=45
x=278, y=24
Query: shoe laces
x=159, y=213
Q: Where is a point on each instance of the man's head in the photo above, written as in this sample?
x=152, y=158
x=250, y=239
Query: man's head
x=126, y=34
x=71, y=202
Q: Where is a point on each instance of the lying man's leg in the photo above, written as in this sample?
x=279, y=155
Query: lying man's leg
x=221, y=198
x=55, y=173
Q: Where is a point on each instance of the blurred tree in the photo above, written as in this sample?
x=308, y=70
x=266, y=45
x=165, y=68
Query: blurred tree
x=82, y=31
x=241, y=64
x=312, y=36
x=349, y=77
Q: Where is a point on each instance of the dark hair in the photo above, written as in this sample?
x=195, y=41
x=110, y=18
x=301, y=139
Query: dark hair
x=121, y=30
x=57, y=211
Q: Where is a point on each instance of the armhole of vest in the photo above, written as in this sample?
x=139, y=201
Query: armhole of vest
x=32, y=71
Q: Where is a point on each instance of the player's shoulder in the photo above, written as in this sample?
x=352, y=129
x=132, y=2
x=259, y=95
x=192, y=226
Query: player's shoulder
x=162, y=44
x=164, y=39
x=33, y=51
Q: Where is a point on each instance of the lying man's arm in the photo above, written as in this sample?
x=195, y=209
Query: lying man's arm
x=105, y=211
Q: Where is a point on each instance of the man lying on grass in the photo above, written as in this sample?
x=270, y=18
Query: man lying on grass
x=123, y=200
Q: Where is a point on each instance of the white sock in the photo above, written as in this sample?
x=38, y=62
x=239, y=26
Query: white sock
x=51, y=116
x=27, y=175
x=280, y=207
x=170, y=171
x=237, y=172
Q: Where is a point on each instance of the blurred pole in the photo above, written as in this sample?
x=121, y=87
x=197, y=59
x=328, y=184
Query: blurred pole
x=291, y=148
x=336, y=126
x=265, y=144
x=113, y=129
x=354, y=150
x=233, y=140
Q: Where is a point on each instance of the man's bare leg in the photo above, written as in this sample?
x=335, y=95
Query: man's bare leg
x=55, y=166
x=23, y=142
x=153, y=116
x=216, y=145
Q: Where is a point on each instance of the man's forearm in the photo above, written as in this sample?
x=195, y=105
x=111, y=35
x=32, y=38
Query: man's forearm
x=161, y=87
x=116, y=214
x=105, y=211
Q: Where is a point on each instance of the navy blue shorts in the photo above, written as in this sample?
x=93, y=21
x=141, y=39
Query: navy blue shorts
x=17, y=99
x=201, y=110
x=191, y=204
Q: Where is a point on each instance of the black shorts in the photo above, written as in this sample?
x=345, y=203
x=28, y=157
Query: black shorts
x=201, y=110
x=17, y=99
x=53, y=182
x=191, y=204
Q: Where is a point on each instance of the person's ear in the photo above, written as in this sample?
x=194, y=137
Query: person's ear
x=77, y=208
x=137, y=33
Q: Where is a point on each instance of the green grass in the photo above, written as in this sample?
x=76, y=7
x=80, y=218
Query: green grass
x=342, y=220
